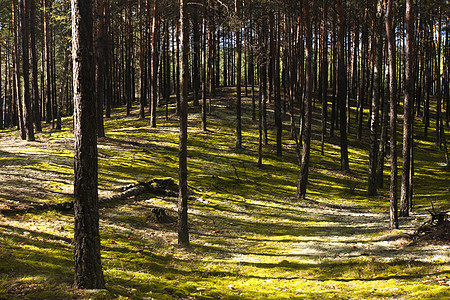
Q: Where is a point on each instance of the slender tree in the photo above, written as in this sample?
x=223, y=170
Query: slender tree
x=238, y=78
x=374, y=114
x=183, y=231
x=24, y=12
x=390, y=36
x=155, y=64
x=100, y=47
x=407, y=113
x=88, y=268
x=34, y=69
x=304, y=165
x=342, y=86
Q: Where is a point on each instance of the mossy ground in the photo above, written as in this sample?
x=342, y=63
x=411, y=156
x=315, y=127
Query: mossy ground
x=250, y=237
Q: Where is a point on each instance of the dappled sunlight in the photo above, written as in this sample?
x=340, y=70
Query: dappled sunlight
x=250, y=237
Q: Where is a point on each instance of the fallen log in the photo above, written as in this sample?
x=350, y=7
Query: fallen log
x=160, y=187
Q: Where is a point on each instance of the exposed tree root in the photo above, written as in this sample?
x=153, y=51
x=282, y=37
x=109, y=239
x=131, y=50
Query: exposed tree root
x=436, y=230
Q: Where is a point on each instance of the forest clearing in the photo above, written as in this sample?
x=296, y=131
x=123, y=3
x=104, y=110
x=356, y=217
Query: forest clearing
x=250, y=237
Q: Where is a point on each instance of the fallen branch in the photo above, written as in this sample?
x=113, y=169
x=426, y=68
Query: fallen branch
x=160, y=187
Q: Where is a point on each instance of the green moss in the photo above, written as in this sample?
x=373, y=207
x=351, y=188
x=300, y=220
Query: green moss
x=250, y=237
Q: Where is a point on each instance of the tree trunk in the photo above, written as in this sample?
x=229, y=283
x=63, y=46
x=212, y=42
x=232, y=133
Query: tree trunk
x=390, y=37
x=407, y=112
x=142, y=61
x=2, y=100
x=100, y=48
x=204, y=64
x=34, y=71
x=238, y=79
x=324, y=73
x=47, y=50
x=374, y=117
x=183, y=230
x=196, y=55
x=26, y=100
x=342, y=87
x=88, y=268
x=277, y=87
x=155, y=62
x=363, y=74
x=304, y=165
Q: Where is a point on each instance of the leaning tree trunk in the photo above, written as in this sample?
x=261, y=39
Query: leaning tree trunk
x=88, y=268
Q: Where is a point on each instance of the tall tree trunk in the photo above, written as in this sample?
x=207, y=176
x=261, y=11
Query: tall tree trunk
x=47, y=50
x=108, y=61
x=324, y=73
x=88, y=268
x=183, y=230
x=2, y=100
x=390, y=36
x=374, y=118
x=196, y=55
x=204, y=64
x=407, y=112
x=238, y=84
x=142, y=60
x=178, y=83
x=24, y=12
x=277, y=87
x=128, y=77
x=155, y=62
x=18, y=98
x=100, y=48
x=364, y=74
x=34, y=71
x=342, y=87
x=304, y=165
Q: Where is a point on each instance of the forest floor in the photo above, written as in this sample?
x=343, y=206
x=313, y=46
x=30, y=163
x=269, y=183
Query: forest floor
x=250, y=237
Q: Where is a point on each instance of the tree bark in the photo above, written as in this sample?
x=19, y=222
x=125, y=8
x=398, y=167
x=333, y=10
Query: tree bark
x=390, y=36
x=88, y=268
x=183, y=230
x=238, y=79
x=407, y=112
x=342, y=87
x=100, y=48
x=34, y=71
x=142, y=61
x=304, y=165
x=324, y=73
x=155, y=62
x=24, y=12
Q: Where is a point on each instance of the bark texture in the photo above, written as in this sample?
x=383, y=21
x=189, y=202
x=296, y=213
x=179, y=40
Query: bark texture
x=88, y=268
